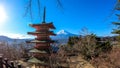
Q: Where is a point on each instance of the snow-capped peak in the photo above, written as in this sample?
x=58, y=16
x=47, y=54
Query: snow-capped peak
x=63, y=32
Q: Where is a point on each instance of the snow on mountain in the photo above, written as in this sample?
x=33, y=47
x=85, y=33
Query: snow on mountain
x=62, y=36
x=63, y=32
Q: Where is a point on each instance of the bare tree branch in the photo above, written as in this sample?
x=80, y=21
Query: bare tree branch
x=60, y=4
x=28, y=9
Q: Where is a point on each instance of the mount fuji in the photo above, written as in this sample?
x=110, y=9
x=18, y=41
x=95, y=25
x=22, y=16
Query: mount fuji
x=62, y=36
x=64, y=32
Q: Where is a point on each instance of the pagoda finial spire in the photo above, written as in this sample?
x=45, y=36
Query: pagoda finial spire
x=44, y=15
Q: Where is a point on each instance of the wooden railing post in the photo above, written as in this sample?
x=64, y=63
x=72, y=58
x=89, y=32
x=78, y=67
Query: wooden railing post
x=12, y=64
x=1, y=62
x=19, y=66
x=6, y=63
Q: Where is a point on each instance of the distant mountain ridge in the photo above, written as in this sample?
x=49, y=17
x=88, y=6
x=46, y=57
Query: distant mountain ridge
x=5, y=38
x=61, y=36
x=11, y=40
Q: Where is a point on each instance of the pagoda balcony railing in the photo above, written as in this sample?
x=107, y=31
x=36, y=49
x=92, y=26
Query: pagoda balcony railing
x=41, y=54
x=42, y=33
x=42, y=46
x=43, y=38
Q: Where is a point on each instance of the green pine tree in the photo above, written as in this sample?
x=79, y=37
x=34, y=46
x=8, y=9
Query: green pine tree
x=117, y=30
x=117, y=24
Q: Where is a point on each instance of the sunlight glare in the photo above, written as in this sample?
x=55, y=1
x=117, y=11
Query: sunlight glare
x=3, y=15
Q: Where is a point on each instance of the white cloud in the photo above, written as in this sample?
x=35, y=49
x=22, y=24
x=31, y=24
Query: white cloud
x=17, y=36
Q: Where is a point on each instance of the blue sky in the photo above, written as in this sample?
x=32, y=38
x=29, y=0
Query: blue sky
x=75, y=15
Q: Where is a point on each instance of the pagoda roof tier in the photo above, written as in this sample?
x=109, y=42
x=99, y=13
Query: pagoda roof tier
x=49, y=25
x=46, y=39
x=36, y=61
x=42, y=33
x=40, y=41
x=37, y=51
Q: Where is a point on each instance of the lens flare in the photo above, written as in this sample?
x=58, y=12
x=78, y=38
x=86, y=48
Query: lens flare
x=3, y=15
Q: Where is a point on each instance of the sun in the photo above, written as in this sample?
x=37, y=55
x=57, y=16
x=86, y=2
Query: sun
x=3, y=15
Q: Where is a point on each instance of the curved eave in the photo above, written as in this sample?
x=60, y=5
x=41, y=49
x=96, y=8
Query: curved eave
x=37, y=51
x=33, y=25
x=50, y=25
x=36, y=61
x=37, y=41
x=53, y=28
x=47, y=40
x=35, y=33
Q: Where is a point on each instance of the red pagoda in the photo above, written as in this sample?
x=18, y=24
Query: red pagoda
x=42, y=48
